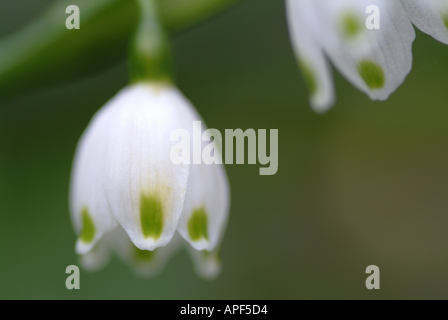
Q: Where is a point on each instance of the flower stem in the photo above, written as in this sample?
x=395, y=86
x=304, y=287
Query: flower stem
x=178, y=14
x=150, y=53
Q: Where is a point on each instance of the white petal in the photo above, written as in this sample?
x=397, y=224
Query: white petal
x=310, y=56
x=376, y=61
x=206, y=207
x=90, y=211
x=207, y=264
x=145, y=189
x=99, y=256
x=143, y=262
x=430, y=16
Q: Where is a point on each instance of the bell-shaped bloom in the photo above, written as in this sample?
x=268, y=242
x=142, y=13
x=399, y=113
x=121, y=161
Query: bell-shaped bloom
x=430, y=16
x=126, y=193
x=368, y=41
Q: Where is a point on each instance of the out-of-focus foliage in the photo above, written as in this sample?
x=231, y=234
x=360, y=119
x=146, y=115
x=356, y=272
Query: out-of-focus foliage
x=44, y=52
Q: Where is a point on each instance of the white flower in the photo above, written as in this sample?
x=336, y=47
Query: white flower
x=430, y=16
x=376, y=61
x=126, y=194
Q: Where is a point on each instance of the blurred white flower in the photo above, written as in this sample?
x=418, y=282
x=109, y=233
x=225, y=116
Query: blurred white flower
x=126, y=194
x=376, y=61
x=430, y=16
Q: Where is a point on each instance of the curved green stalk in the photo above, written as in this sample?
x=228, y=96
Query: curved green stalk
x=178, y=14
x=46, y=53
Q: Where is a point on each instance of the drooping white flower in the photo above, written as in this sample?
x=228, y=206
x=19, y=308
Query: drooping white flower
x=430, y=16
x=376, y=61
x=126, y=193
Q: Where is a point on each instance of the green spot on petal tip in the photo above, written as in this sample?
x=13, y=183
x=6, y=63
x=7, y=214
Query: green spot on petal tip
x=197, y=225
x=88, y=227
x=351, y=25
x=143, y=255
x=372, y=74
x=151, y=216
x=216, y=255
x=445, y=19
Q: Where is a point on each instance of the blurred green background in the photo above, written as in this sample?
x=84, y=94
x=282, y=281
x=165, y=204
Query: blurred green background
x=364, y=184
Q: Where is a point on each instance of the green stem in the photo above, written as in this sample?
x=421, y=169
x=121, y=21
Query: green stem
x=150, y=52
x=178, y=14
x=46, y=53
